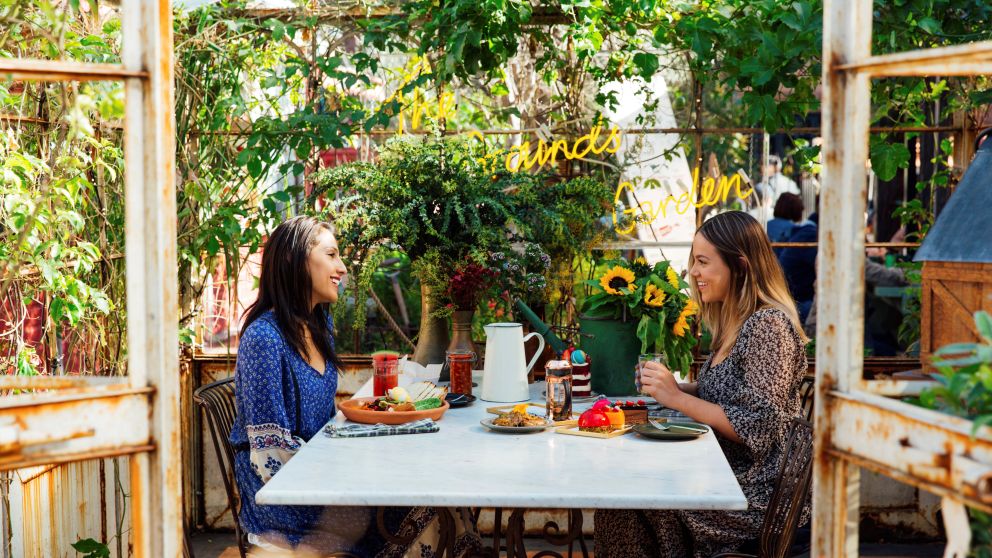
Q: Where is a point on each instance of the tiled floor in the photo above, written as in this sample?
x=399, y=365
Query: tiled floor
x=222, y=545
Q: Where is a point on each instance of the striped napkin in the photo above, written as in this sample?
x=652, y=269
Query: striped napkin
x=422, y=426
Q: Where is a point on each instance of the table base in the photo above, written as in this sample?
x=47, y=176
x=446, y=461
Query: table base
x=515, y=548
x=551, y=533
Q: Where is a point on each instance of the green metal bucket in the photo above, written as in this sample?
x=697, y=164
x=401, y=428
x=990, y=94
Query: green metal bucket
x=613, y=348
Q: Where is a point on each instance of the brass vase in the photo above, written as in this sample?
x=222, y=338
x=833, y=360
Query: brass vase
x=461, y=332
x=461, y=338
x=433, y=336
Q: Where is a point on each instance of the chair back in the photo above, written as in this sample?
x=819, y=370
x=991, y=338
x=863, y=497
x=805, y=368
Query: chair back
x=791, y=492
x=807, y=393
x=219, y=408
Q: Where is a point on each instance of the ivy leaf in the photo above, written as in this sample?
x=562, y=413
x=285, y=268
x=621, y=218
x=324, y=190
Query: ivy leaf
x=888, y=158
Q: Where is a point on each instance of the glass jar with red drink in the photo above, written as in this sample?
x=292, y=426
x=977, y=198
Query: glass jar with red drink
x=385, y=373
x=460, y=365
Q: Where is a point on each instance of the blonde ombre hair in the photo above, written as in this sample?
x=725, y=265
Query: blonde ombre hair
x=756, y=278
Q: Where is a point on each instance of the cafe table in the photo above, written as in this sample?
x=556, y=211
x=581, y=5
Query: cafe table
x=466, y=464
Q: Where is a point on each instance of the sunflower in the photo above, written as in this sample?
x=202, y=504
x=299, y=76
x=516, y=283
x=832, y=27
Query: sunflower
x=690, y=308
x=616, y=279
x=653, y=296
x=641, y=261
x=673, y=278
x=681, y=326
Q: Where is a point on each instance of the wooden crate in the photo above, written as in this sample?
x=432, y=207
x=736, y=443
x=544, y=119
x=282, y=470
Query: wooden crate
x=952, y=293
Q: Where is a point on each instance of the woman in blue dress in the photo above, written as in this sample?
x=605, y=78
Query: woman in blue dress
x=285, y=380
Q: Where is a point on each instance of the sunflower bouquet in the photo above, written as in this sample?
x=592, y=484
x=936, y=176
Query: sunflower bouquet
x=657, y=297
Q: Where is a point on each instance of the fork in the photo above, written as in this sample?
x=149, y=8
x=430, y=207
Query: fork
x=666, y=427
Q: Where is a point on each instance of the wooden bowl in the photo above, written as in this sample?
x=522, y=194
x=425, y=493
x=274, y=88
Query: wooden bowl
x=353, y=411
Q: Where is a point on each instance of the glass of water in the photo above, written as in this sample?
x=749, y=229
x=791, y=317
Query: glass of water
x=641, y=360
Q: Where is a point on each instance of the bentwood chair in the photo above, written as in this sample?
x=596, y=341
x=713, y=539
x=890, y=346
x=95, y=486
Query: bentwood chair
x=789, y=497
x=219, y=409
x=807, y=390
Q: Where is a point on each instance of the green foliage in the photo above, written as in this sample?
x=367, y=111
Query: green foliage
x=430, y=196
x=909, y=329
x=223, y=206
x=965, y=390
x=464, y=38
x=965, y=377
x=60, y=181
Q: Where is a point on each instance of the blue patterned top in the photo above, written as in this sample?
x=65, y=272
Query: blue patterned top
x=282, y=402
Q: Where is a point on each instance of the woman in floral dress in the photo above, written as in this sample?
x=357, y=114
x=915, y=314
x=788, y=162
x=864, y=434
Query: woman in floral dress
x=747, y=392
x=285, y=381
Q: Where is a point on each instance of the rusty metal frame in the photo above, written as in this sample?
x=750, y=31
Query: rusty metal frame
x=58, y=420
x=855, y=425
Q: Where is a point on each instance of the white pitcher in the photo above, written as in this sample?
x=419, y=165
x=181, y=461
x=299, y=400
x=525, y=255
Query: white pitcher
x=504, y=377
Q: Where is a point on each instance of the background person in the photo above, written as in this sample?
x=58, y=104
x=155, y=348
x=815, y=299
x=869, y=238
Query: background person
x=787, y=215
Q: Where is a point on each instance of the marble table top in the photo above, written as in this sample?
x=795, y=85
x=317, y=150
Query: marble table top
x=465, y=464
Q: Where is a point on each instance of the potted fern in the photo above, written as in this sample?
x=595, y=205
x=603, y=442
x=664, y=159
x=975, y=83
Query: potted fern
x=428, y=195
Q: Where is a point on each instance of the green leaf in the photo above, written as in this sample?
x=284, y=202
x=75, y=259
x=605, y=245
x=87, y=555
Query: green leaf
x=984, y=420
x=91, y=548
x=984, y=324
x=930, y=25
x=956, y=348
x=647, y=64
x=888, y=158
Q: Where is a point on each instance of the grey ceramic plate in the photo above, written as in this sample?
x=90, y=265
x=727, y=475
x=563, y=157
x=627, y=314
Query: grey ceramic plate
x=675, y=433
x=488, y=423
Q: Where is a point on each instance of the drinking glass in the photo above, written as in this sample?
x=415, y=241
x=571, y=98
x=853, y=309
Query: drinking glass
x=386, y=376
x=647, y=357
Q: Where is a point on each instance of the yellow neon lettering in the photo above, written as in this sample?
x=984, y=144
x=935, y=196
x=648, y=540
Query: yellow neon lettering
x=539, y=158
x=616, y=200
x=613, y=138
x=575, y=147
x=515, y=158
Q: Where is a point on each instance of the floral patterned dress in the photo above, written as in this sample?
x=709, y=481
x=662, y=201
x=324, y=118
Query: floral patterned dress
x=757, y=386
x=282, y=401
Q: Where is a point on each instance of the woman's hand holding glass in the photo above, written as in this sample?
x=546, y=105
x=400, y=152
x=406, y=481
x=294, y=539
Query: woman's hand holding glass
x=659, y=382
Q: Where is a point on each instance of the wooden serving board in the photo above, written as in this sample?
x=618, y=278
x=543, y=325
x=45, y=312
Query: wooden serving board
x=571, y=427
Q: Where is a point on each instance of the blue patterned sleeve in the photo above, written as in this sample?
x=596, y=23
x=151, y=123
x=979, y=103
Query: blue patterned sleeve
x=263, y=393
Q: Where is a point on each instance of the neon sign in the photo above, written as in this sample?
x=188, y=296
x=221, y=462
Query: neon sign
x=710, y=192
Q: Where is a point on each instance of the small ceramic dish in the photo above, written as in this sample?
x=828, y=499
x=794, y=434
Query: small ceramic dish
x=459, y=399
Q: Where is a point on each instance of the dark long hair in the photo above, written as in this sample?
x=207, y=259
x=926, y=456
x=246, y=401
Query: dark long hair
x=285, y=287
x=756, y=278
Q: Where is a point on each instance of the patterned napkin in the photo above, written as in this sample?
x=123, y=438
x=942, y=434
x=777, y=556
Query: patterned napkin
x=422, y=426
